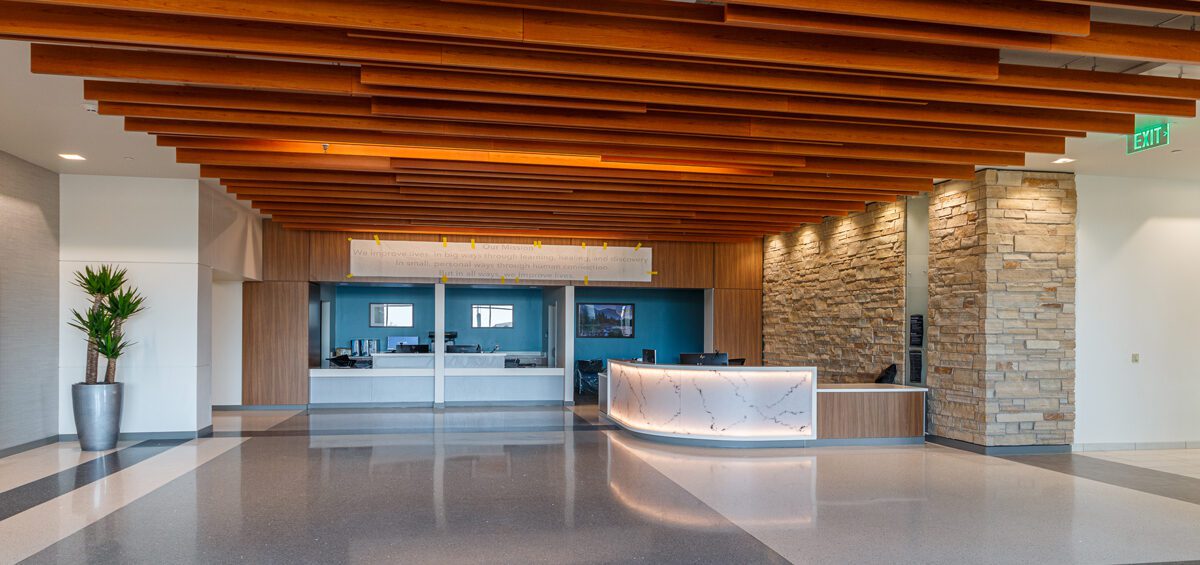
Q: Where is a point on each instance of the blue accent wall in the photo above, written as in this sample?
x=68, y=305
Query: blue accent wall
x=670, y=321
x=352, y=311
x=526, y=333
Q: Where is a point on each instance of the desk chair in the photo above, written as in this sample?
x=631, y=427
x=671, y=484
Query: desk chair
x=587, y=375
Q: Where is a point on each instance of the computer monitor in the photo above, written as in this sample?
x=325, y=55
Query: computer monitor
x=704, y=359
x=648, y=356
x=394, y=340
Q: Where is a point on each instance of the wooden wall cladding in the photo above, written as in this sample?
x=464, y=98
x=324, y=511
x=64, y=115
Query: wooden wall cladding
x=850, y=415
x=737, y=323
x=285, y=253
x=738, y=265
x=275, y=343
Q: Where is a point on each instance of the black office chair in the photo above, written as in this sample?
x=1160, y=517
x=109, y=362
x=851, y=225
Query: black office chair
x=887, y=376
x=737, y=362
x=587, y=375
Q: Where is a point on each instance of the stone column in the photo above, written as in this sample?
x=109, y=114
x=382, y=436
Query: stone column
x=1001, y=328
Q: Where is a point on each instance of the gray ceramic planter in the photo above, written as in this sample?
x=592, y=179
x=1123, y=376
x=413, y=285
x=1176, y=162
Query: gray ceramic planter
x=97, y=414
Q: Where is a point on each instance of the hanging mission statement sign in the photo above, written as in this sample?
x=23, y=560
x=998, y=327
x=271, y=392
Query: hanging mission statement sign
x=431, y=259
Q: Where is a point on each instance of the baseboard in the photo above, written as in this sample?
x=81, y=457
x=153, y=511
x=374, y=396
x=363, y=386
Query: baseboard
x=144, y=436
x=1135, y=446
x=28, y=445
x=228, y=407
x=503, y=403
x=339, y=405
x=998, y=449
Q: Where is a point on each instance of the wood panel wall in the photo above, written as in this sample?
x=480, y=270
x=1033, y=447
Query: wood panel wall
x=275, y=343
x=738, y=299
x=853, y=415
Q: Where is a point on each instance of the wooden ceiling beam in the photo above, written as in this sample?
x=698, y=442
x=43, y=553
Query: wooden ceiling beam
x=579, y=199
x=758, y=128
x=563, y=221
x=483, y=227
x=277, y=75
x=505, y=138
x=501, y=99
x=849, y=184
x=788, y=207
x=642, y=9
x=1186, y=7
x=630, y=192
x=454, y=159
x=1139, y=43
x=1015, y=15
x=377, y=163
x=589, y=31
x=531, y=232
x=944, y=113
x=449, y=208
x=881, y=28
x=1146, y=101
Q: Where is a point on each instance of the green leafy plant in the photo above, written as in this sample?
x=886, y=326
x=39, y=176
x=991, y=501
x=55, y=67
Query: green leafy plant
x=103, y=323
x=111, y=346
x=95, y=325
x=98, y=283
x=119, y=306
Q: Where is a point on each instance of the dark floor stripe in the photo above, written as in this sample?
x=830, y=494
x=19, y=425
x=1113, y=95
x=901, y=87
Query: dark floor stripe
x=24, y=497
x=1141, y=479
x=273, y=432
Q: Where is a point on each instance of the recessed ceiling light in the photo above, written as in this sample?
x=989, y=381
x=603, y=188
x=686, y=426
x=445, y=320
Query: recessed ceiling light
x=1063, y=161
x=72, y=157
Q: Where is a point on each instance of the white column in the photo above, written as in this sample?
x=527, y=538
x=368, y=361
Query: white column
x=567, y=341
x=439, y=344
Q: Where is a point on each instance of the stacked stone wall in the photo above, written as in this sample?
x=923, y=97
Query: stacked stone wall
x=833, y=295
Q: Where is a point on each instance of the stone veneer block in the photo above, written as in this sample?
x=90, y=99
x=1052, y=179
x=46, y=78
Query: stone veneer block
x=1001, y=326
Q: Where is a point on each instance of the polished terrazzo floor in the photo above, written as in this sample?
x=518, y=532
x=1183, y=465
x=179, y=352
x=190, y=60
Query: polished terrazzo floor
x=547, y=485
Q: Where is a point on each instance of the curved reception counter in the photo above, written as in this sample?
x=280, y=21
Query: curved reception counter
x=758, y=406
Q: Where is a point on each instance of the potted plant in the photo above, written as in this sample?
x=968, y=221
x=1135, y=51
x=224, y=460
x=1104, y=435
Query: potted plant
x=97, y=404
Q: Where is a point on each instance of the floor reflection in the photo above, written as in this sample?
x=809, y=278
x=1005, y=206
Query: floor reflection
x=747, y=488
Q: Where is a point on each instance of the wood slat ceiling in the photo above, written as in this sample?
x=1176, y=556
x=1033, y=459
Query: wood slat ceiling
x=622, y=118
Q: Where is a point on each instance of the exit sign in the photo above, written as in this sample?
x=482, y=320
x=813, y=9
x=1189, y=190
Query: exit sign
x=1148, y=137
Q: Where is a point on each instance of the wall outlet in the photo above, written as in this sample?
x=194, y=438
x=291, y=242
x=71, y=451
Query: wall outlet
x=1136, y=358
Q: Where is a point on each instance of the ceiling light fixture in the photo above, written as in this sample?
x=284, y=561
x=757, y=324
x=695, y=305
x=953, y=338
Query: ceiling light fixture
x=1063, y=161
x=72, y=157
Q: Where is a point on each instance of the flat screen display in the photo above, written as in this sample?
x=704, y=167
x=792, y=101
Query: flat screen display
x=604, y=320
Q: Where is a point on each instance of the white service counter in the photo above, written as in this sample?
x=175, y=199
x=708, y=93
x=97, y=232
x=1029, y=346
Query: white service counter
x=410, y=378
x=715, y=403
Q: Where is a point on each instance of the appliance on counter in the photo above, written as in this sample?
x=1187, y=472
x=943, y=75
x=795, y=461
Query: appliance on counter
x=394, y=340
x=450, y=337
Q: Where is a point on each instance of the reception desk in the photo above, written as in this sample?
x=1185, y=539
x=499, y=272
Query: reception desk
x=758, y=406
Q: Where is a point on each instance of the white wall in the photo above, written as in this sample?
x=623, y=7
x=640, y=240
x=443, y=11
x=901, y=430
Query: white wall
x=151, y=228
x=226, y=343
x=1138, y=261
x=172, y=235
x=28, y=302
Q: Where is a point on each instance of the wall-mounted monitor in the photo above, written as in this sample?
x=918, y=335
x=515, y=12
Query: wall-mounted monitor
x=391, y=315
x=491, y=315
x=604, y=320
